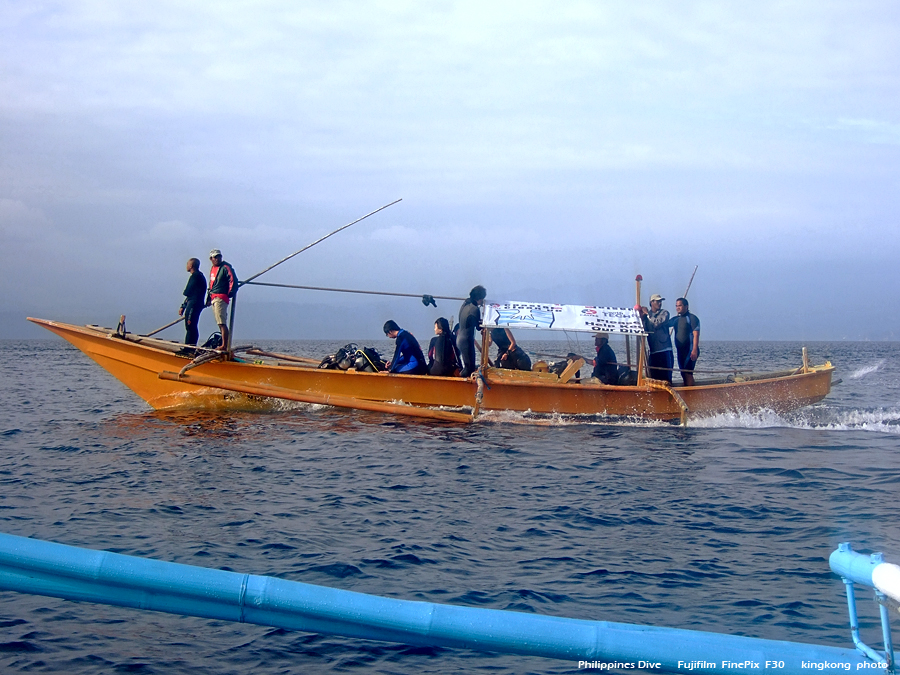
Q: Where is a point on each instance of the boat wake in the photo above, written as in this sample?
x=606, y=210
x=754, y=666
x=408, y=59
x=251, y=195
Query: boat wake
x=818, y=418
x=559, y=420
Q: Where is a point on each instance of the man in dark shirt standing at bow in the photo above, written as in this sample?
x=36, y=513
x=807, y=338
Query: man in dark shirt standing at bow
x=194, y=293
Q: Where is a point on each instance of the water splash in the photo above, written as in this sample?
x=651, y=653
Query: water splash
x=758, y=419
x=865, y=370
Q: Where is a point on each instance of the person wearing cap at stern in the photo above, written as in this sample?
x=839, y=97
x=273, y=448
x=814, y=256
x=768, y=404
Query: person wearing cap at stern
x=656, y=323
x=223, y=285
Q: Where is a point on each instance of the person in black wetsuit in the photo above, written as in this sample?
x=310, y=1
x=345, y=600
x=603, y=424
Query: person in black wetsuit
x=443, y=359
x=194, y=296
x=510, y=355
x=408, y=358
x=469, y=323
x=687, y=340
x=606, y=368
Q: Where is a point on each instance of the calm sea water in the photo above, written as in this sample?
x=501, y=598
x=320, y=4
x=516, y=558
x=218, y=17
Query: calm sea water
x=723, y=526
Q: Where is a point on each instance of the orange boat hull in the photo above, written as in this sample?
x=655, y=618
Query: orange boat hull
x=138, y=365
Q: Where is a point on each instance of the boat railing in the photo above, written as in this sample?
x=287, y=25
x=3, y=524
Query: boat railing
x=871, y=571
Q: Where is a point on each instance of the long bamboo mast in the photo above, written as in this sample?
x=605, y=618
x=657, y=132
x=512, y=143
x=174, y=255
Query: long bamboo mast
x=286, y=258
x=641, y=356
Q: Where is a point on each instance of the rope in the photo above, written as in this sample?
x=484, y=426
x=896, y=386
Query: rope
x=350, y=290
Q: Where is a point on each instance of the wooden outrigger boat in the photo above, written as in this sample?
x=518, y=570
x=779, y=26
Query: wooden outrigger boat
x=158, y=372
x=165, y=379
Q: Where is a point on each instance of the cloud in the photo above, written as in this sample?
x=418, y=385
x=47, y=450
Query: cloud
x=171, y=230
x=593, y=138
x=873, y=131
x=20, y=222
x=399, y=235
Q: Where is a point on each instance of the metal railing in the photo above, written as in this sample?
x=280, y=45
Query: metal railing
x=855, y=567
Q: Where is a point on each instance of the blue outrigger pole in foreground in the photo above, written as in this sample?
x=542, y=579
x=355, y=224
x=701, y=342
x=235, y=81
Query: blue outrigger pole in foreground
x=57, y=570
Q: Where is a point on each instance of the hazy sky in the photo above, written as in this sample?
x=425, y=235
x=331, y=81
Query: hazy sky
x=549, y=151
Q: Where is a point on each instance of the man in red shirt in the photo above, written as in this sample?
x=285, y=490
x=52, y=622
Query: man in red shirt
x=223, y=285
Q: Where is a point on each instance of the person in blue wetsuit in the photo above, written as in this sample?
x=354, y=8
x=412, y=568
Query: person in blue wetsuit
x=408, y=358
x=687, y=340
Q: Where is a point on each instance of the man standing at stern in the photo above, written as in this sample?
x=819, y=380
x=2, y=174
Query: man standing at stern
x=223, y=285
x=687, y=340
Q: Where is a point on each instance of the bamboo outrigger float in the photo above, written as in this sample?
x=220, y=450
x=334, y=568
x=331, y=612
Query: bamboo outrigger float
x=59, y=571
x=165, y=379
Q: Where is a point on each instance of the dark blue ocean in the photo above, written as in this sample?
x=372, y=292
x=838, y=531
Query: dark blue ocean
x=724, y=526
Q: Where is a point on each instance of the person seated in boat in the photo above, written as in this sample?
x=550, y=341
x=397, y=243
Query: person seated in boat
x=408, y=358
x=656, y=324
x=687, y=340
x=223, y=285
x=510, y=355
x=469, y=323
x=194, y=294
x=606, y=368
x=443, y=359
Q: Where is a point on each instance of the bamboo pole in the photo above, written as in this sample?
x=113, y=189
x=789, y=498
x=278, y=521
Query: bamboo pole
x=320, y=399
x=690, y=282
x=286, y=258
x=485, y=347
x=168, y=325
x=479, y=374
x=227, y=345
x=318, y=241
x=640, y=340
x=284, y=357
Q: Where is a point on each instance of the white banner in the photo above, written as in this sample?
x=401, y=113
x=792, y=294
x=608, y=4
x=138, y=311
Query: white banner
x=563, y=317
